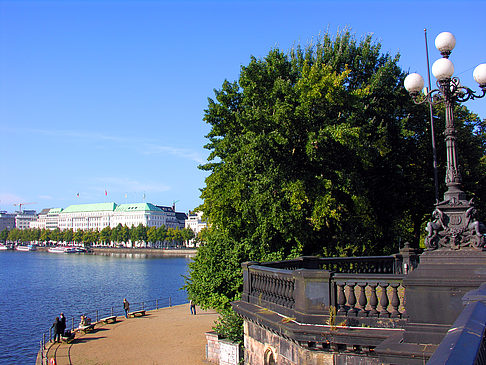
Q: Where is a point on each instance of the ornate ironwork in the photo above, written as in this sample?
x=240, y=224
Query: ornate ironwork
x=454, y=224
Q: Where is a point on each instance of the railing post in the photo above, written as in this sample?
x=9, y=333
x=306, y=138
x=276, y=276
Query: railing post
x=112, y=311
x=170, y=302
x=312, y=293
x=97, y=316
x=247, y=289
x=143, y=306
x=72, y=323
x=156, y=304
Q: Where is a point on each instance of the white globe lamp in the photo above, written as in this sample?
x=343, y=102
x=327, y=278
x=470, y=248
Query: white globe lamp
x=443, y=69
x=479, y=75
x=445, y=43
x=414, y=83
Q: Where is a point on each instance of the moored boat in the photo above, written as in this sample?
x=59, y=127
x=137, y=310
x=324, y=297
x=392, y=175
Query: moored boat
x=26, y=248
x=60, y=249
x=5, y=247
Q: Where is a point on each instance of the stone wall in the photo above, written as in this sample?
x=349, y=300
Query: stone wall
x=212, y=347
x=262, y=344
x=221, y=351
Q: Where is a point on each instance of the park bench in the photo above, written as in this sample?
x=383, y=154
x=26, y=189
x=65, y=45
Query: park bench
x=88, y=328
x=68, y=337
x=110, y=319
x=136, y=313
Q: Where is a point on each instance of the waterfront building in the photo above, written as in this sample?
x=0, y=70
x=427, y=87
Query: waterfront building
x=86, y=216
x=181, y=219
x=52, y=219
x=7, y=221
x=100, y=215
x=135, y=214
x=195, y=222
x=170, y=216
x=40, y=222
x=23, y=219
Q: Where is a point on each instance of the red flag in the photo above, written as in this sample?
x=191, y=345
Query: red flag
x=77, y=195
x=106, y=193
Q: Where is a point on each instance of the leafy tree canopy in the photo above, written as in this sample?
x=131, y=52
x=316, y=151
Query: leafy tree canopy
x=317, y=151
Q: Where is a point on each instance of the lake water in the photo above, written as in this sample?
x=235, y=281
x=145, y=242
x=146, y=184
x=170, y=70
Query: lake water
x=36, y=286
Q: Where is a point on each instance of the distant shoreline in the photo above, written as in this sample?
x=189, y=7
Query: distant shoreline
x=139, y=251
x=144, y=251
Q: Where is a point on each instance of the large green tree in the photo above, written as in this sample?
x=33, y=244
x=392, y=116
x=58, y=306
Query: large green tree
x=317, y=151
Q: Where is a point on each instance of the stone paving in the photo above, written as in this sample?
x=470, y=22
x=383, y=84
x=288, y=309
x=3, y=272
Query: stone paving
x=165, y=336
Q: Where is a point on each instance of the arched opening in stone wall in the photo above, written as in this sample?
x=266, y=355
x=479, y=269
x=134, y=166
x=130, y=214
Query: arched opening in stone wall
x=269, y=357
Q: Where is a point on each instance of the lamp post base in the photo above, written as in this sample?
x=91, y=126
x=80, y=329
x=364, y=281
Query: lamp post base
x=455, y=226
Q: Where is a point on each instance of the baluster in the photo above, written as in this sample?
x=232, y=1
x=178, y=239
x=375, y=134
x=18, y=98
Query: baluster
x=261, y=283
x=272, y=290
x=288, y=297
x=395, y=302
x=362, y=301
x=281, y=291
x=384, y=301
x=341, y=302
x=266, y=285
x=373, y=300
x=275, y=290
x=278, y=293
x=256, y=284
x=291, y=293
x=352, y=300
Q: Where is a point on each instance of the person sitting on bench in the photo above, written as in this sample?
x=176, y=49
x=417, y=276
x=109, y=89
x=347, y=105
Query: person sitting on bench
x=85, y=321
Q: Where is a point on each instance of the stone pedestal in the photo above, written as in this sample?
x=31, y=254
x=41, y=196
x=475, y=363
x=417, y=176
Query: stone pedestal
x=435, y=289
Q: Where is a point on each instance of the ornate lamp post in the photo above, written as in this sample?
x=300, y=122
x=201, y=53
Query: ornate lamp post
x=455, y=224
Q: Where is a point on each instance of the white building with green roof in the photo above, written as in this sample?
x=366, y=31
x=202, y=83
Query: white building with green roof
x=100, y=215
x=86, y=216
x=138, y=213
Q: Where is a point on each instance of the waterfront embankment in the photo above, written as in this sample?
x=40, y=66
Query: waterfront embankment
x=144, y=251
x=181, y=252
x=165, y=336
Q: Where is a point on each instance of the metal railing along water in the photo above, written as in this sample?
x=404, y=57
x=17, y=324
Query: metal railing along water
x=96, y=315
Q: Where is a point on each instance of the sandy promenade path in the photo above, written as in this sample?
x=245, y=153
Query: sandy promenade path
x=166, y=336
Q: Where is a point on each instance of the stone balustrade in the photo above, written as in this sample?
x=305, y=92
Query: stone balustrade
x=306, y=288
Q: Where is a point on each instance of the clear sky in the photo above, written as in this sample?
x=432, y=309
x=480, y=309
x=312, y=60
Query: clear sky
x=109, y=96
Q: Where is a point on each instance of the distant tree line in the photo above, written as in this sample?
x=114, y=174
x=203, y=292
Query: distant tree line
x=151, y=236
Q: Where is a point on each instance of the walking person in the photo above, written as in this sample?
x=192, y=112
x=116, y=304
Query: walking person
x=56, y=326
x=62, y=321
x=193, y=307
x=126, y=306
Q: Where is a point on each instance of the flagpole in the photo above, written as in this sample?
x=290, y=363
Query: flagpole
x=434, y=151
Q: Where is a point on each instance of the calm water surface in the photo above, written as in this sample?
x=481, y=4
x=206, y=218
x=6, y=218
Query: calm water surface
x=36, y=286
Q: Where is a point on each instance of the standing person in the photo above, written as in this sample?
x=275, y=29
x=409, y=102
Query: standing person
x=57, y=330
x=126, y=306
x=193, y=307
x=62, y=321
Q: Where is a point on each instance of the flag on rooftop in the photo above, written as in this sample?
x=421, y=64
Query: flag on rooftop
x=106, y=193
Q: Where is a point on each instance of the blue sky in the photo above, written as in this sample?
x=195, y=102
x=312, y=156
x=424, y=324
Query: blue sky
x=110, y=95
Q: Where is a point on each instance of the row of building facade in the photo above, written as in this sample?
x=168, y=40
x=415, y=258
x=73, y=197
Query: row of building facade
x=100, y=215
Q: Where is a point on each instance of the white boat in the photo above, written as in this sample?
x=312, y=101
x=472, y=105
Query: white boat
x=5, y=247
x=59, y=249
x=26, y=248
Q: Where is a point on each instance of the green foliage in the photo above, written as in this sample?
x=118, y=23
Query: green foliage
x=320, y=151
x=229, y=326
